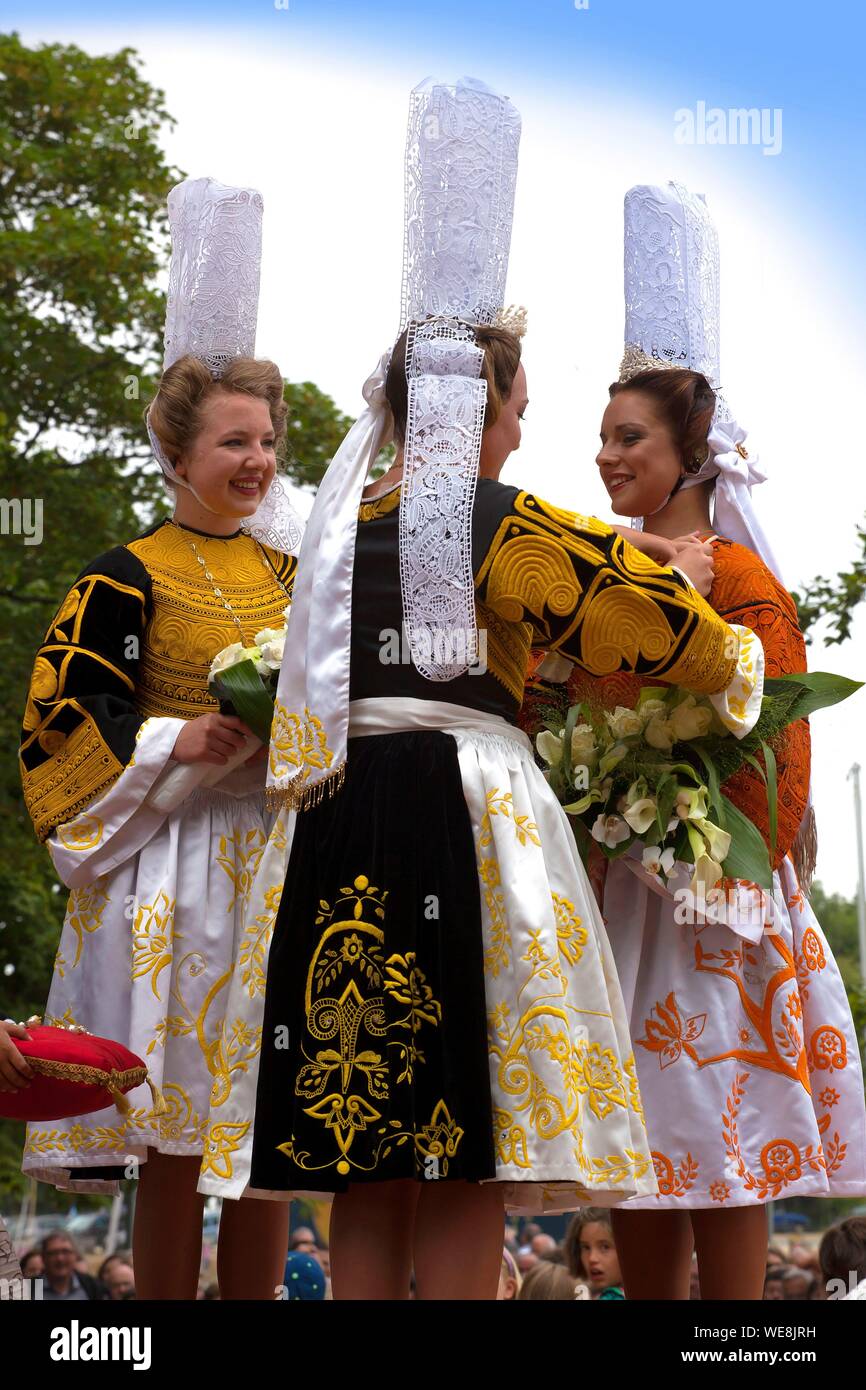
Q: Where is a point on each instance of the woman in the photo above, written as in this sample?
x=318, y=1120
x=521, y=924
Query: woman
x=119, y=697
x=746, y=1052
x=442, y=1022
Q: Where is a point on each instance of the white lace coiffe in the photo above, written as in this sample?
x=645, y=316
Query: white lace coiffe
x=461, y=169
x=212, y=312
x=672, y=320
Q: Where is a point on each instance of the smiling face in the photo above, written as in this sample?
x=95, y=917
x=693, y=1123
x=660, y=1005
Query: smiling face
x=231, y=462
x=638, y=459
x=503, y=437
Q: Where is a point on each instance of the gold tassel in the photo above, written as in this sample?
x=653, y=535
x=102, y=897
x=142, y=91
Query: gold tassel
x=160, y=1105
x=303, y=798
x=119, y=1099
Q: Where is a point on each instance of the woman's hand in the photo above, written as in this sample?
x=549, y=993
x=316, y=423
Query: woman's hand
x=695, y=558
x=658, y=548
x=211, y=738
x=15, y=1071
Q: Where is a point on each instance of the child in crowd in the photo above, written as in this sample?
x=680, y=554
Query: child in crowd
x=590, y=1253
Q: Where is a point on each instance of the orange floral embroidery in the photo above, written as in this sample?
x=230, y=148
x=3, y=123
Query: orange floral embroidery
x=813, y=950
x=782, y=1161
x=782, y=1049
x=719, y=1191
x=673, y=1182
x=828, y=1050
x=829, y=1097
x=669, y=1035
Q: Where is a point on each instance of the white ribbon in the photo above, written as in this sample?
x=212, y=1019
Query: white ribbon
x=314, y=678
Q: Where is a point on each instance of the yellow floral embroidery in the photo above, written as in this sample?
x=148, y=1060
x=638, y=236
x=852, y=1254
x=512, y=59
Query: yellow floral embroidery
x=82, y=834
x=84, y=912
x=240, y=857
x=152, y=939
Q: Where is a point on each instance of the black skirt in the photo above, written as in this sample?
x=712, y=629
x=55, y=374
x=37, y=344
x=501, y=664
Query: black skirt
x=374, y=1062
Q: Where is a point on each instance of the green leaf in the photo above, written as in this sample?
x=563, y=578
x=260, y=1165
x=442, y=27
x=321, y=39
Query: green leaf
x=243, y=687
x=747, y=858
x=814, y=690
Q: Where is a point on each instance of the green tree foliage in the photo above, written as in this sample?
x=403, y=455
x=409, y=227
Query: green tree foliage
x=835, y=598
x=83, y=237
x=838, y=917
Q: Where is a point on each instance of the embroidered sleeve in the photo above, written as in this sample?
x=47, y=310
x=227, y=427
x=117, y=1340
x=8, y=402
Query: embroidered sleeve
x=81, y=722
x=745, y=591
x=589, y=595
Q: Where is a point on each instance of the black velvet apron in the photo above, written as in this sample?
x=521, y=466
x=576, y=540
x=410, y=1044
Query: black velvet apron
x=374, y=1061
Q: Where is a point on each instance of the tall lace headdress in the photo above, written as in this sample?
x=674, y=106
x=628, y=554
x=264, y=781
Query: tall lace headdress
x=461, y=168
x=461, y=171
x=672, y=320
x=212, y=311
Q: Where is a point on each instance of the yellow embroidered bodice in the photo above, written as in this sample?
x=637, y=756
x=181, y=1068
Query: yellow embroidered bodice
x=189, y=623
x=133, y=638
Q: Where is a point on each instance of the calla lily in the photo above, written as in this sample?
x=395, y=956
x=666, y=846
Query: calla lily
x=641, y=815
x=706, y=875
x=549, y=747
x=691, y=804
x=718, y=840
x=610, y=831
x=578, y=807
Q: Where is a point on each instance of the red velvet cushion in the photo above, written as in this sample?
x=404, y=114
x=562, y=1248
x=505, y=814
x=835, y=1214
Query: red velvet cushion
x=74, y=1074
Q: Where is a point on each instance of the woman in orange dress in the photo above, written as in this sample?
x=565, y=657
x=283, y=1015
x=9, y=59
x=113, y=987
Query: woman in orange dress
x=746, y=1052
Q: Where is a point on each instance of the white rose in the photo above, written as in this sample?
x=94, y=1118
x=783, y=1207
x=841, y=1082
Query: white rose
x=691, y=720
x=549, y=747
x=659, y=734
x=268, y=634
x=272, y=651
x=232, y=656
x=624, y=722
x=649, y=709
x=583, y=750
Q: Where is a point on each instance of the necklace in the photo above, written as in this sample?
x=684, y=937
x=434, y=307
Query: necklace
x=218, y=593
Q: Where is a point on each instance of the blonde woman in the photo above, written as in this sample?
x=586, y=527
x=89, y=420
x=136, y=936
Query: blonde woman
x=119, y=697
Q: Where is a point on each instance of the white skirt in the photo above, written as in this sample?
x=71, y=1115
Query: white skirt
x=746, y=1051
x=146, y=958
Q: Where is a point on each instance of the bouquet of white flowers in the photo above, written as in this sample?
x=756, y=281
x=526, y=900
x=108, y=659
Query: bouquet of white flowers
x=653, y=774
x=244, y=679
